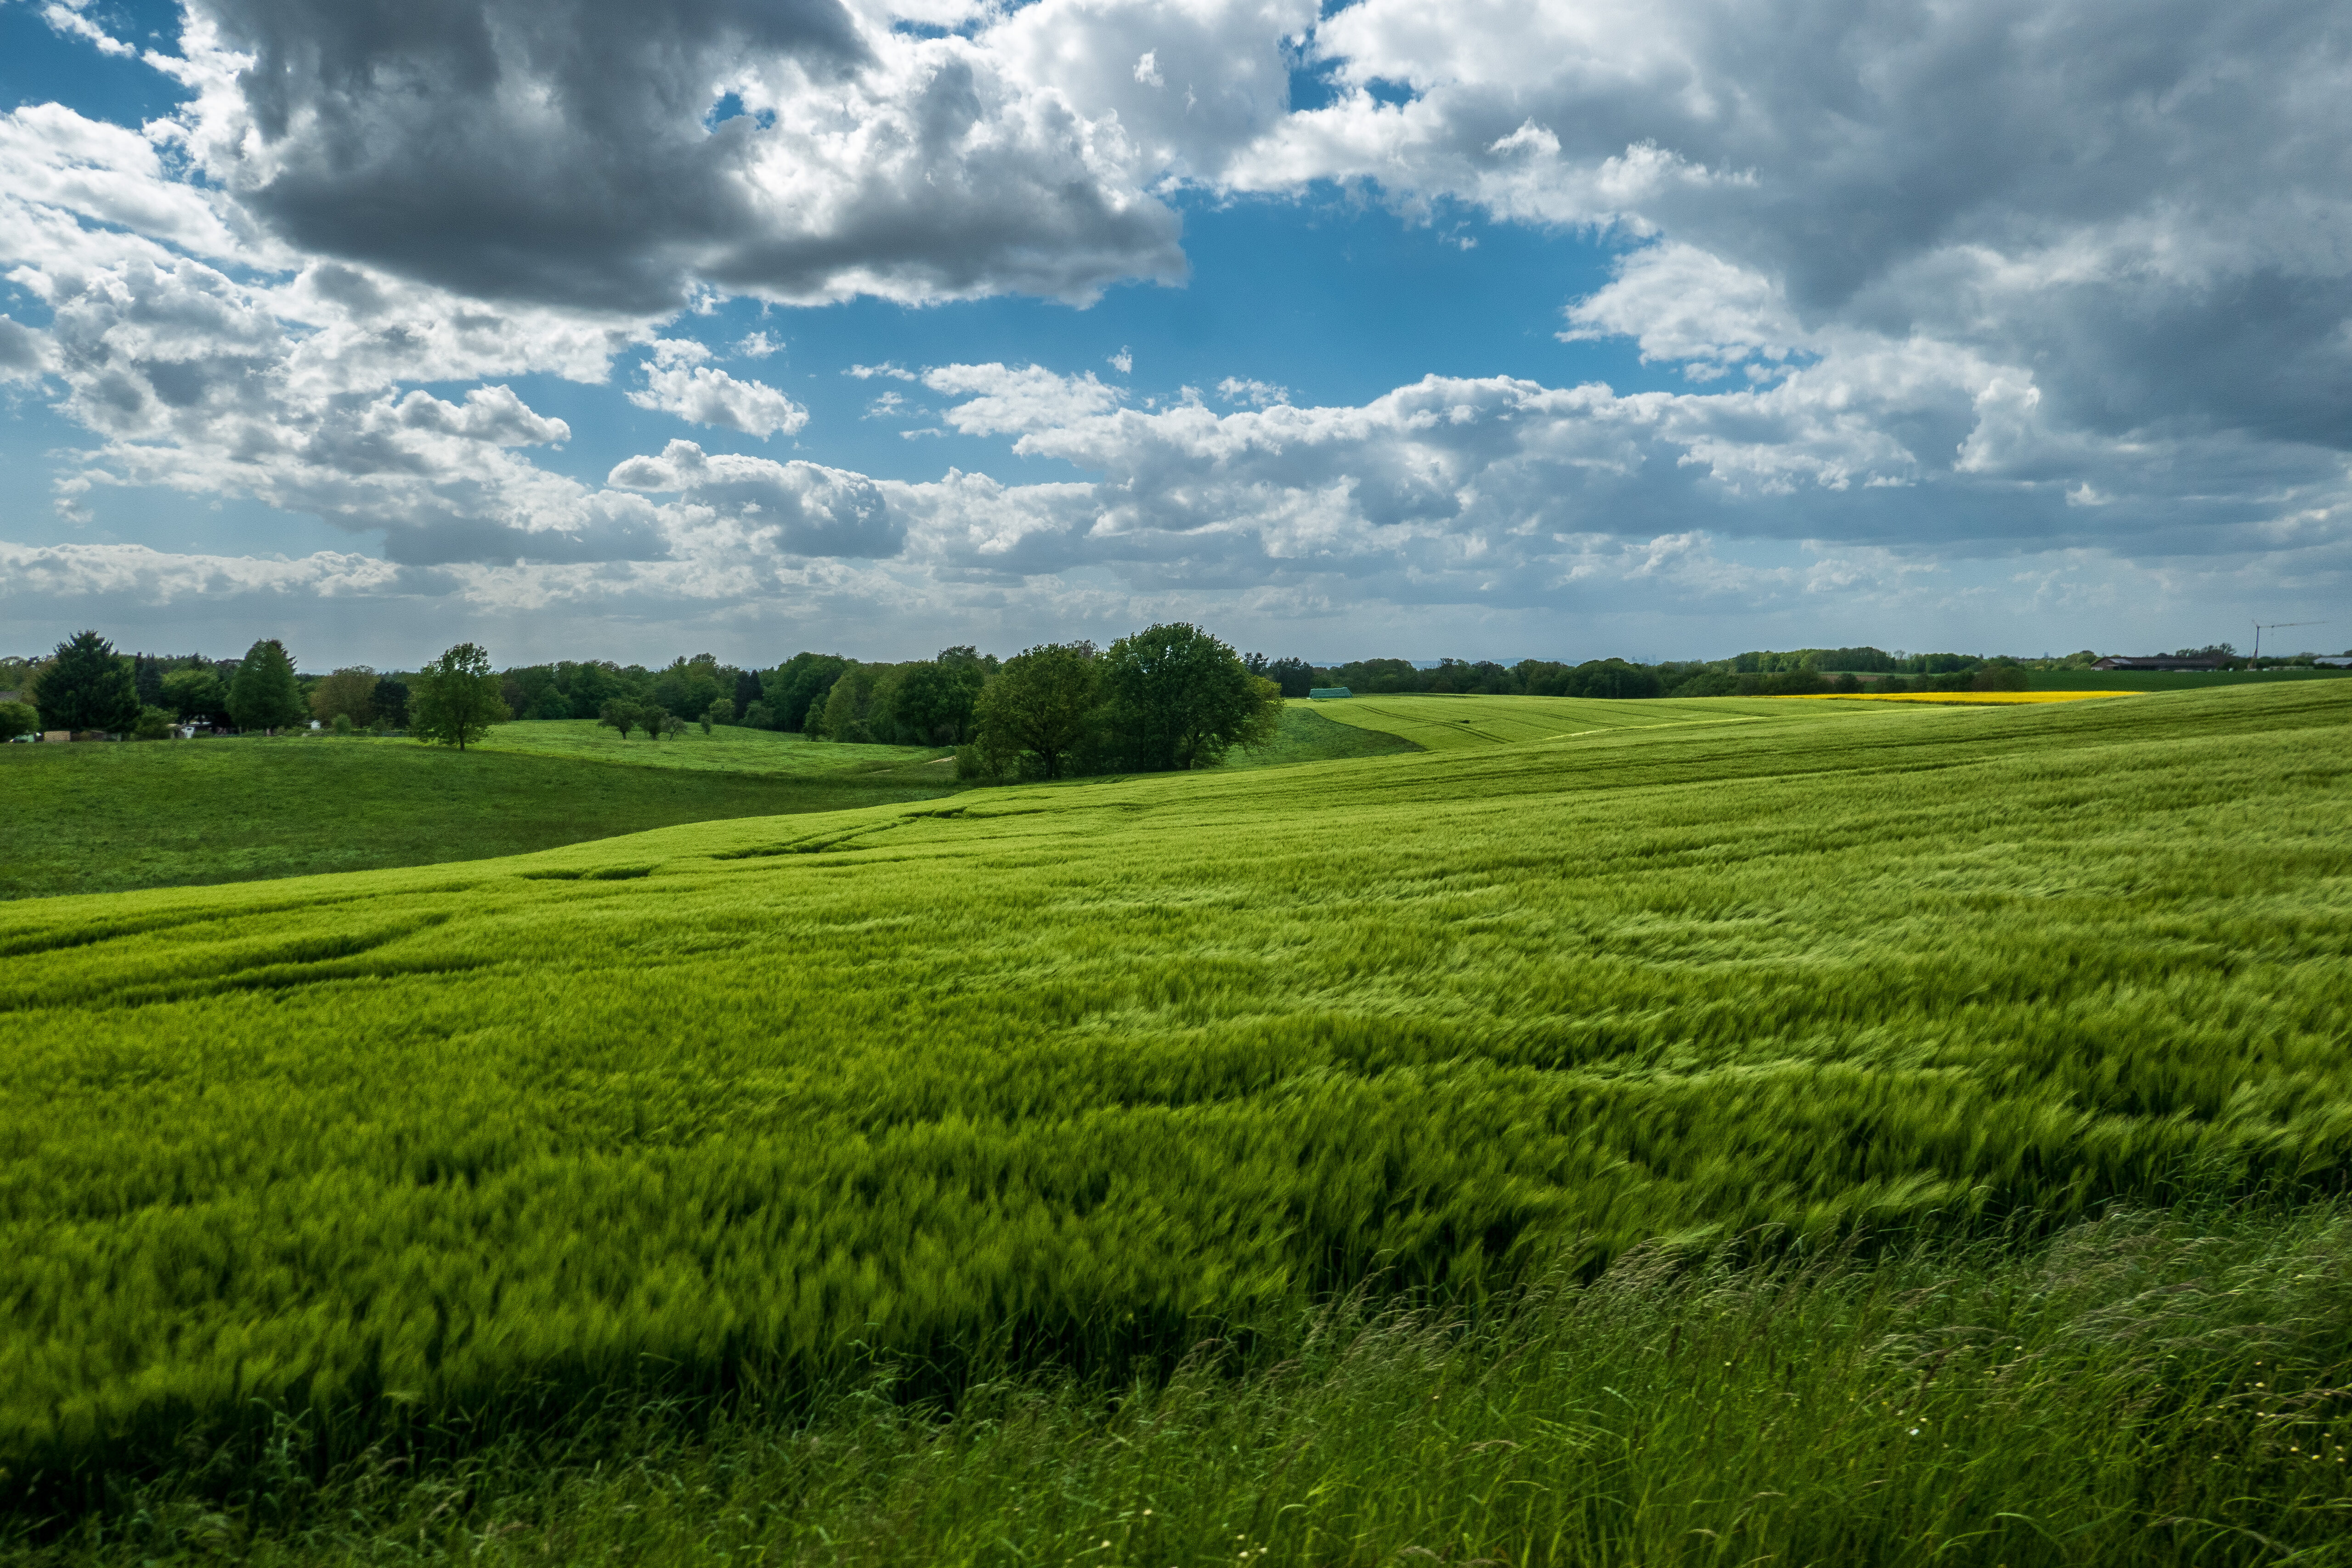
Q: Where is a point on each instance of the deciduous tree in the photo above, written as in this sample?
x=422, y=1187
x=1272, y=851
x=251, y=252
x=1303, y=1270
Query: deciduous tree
x=1044, y=706
x=17, y=718
x=939, y=700
x=1181, y=699
x=195, y=693
x=350, y=690
x=457, y=698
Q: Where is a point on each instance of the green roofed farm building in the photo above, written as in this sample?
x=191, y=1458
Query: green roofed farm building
x=1323, y=691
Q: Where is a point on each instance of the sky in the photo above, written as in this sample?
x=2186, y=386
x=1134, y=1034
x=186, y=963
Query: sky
x=630, y=329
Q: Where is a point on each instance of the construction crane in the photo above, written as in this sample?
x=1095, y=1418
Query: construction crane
x=2262, y=627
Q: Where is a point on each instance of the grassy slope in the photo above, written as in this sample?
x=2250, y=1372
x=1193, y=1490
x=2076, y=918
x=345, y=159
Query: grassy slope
x=90, y=819
x=1474, y=723
x=727, y=748
x=99, y=818
x=1091, y=1064
x=2170, y=680
x=1305, y=735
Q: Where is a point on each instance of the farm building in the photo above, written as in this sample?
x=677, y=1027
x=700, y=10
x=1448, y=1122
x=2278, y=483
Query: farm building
x=2161, y=661
x=1329, y=691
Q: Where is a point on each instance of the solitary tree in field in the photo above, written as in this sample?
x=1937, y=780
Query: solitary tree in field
x=265, y=695
x=88, y=686
x=620, y=713
x=1047, y=704
x=457, y=698
x=1181, y=699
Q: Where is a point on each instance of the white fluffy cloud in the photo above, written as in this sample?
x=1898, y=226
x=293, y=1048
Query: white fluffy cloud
x=678, y=382
x=730, y=502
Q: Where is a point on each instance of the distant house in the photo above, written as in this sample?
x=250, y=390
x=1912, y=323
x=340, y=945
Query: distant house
x=2161, y=661
x=1329, y=691
x=2344, y=662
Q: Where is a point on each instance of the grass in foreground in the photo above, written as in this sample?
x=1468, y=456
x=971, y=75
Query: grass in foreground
x=2139, y=1390
x=100, y=818
x=1059, y=1075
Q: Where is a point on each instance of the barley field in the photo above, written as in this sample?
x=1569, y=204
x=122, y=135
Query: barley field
x=1063, y=1080
x=1441, y=723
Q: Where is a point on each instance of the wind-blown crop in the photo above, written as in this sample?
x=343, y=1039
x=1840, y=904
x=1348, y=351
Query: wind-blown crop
x=1066, y=1072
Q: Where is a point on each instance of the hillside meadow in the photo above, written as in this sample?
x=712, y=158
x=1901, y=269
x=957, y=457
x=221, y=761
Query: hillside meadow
x=1514, y=1081
x=106, y=818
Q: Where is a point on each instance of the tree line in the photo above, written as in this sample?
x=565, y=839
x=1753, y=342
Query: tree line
x=1051, y=711
x=86, y=686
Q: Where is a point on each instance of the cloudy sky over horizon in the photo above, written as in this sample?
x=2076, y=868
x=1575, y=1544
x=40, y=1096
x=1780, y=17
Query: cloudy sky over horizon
x=631, y=328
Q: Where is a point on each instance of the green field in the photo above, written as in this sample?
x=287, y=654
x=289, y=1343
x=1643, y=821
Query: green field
x=101, y=818
x=1474, y=723
x=95, y=818
x=726, y=749
x=2169, y=680
x=1070, y=1077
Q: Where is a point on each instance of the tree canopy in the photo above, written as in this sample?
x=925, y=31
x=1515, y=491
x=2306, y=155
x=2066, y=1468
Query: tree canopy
x=1044, y=709
x=88, y=686
x=1179, y=699
x=194, y=692
x=457, y=698
x=940, y=700
x=350, y=691
x=265, y=695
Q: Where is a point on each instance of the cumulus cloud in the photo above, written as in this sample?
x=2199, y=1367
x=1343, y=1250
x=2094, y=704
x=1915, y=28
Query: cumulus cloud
x=66, y=17
x=1003, y=400
x=2139, y=206
x=567, y=152
x=1257, y=394
x=678, y=382
x=142, y=576
x=739, y=502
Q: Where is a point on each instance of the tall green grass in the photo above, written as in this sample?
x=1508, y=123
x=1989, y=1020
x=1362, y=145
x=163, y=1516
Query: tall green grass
x=1061, y=1077
x=2139, y=1390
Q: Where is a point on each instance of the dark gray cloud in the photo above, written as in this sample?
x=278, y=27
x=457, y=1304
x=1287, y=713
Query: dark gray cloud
x=23, y=352
x=2144, y=204
x=569, y=151
x=552, y=149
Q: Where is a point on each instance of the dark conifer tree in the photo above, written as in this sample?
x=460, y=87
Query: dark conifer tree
x=86, y=686
x=265, y=695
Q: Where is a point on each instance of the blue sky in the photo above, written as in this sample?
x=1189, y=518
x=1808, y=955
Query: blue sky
x=1565, y=331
